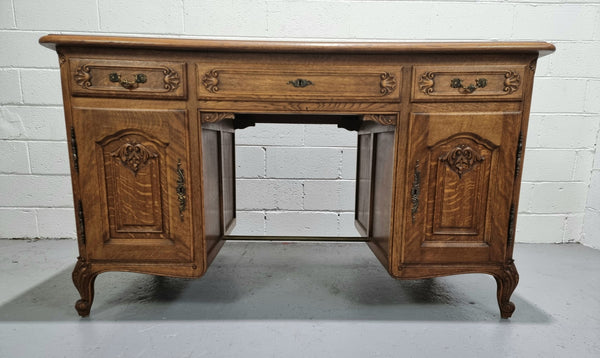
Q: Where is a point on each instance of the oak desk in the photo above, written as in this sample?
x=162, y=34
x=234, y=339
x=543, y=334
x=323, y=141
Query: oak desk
x=151, y=130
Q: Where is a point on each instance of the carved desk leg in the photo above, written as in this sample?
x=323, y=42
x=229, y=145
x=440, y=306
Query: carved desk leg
x=507, y=280
x=83, y=278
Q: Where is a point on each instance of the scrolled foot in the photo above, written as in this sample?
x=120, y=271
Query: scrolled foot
x=83, y=307
x=83, y=278
x=506, y=280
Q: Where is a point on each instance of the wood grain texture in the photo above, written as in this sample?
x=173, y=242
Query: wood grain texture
x=51, y=41
x=152, y=147
x=465, y=185
x=129, y=195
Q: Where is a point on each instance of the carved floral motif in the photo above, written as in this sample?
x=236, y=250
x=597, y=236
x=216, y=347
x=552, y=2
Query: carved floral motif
x=83, y=76
x=211, y=117
x=134, y=155
x=426, y=82
x=388, y=83
x=461, y=159
x=210, y=80
x=512, y=82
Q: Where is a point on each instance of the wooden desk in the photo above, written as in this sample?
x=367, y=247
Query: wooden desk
x=151, y=131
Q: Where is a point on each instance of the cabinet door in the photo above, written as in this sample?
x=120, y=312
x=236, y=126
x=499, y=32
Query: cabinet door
x=461, y=171
x=134, y=187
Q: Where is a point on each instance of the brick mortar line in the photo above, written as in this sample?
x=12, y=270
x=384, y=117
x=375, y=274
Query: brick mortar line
x=292, y=211
x=25, y=105
x=555, y=182
x=289, y=146
x=40, y=175
x=526, y=213
x=297, y=179
x=540, y=149
x=348, y=39
x=25, y=140
x=35, y=207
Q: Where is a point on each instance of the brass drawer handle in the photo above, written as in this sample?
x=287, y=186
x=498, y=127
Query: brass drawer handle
x=457, y=83
x=300, y=83
x=139, y=78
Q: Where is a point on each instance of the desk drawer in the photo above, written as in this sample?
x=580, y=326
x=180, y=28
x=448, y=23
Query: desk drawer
x=468, y=83
x=329, y=82
x=129, y=79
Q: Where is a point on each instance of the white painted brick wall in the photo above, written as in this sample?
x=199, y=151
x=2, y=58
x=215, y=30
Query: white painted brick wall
x=294, y=180
x=311, y=193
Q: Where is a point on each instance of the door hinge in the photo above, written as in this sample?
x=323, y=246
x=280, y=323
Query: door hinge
x=519, y=155
x=74, y=150
x=81, y=220
x=511, y=226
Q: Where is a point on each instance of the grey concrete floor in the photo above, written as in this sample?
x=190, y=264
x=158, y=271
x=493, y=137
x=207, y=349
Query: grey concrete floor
x=263, y=299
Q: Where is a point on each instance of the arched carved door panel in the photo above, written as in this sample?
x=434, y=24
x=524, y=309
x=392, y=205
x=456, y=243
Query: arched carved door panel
x=132, y=166
x=462, y=166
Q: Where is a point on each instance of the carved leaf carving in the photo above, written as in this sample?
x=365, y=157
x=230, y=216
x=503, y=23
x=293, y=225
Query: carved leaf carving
x=83, y=76
x=210, y=80
x=461, y=159
x=384, y=119
x=211, y=117
x=426, y=82
x=171, y=79
x=388, y=83
x=134, y=155
x=512, y=82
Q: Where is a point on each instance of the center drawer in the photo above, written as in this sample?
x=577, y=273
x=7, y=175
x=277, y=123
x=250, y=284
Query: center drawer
x=255, y=81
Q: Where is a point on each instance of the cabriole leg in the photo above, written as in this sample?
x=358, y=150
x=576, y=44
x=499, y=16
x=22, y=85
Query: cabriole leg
x=84, y=278
x=507, y=280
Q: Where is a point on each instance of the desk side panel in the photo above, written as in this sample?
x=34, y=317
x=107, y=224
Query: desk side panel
x=211, y=178
x=382, y=194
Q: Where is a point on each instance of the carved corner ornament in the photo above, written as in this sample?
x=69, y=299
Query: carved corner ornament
x=461, y=159
x=212, y=117
x=83, y=76
x=426, y=82
x=532, y=65
x=83, y=279
x=134, y=155
x=210, y=80
x=512, y=81
x=384, y=119
x=171, y=79
x=61, y=58
x=388, y=83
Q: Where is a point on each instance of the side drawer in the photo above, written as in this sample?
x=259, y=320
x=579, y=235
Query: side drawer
x=326, y=83
x=127, y=79
x=467, y=83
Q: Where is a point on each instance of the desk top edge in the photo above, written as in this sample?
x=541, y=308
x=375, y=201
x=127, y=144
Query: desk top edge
x=350, y=47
